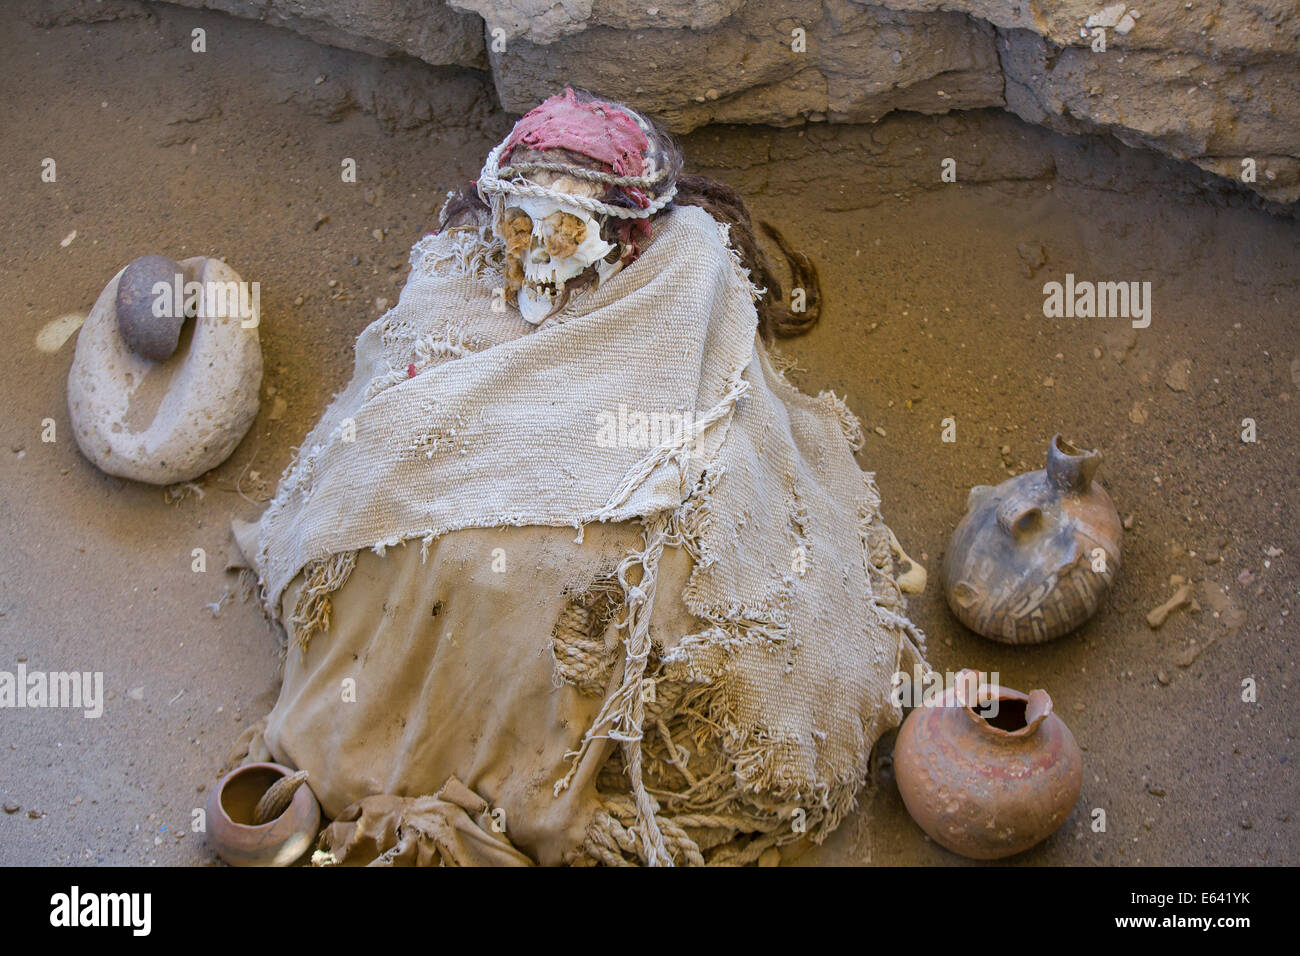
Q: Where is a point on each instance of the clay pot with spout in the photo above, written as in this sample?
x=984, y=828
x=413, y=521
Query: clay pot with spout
x=982, y=785
x=231, y=816
x=1033, y=557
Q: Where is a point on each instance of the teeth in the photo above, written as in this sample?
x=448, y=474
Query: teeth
x=535, y=303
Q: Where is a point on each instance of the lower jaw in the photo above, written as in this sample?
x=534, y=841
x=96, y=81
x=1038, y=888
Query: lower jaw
x=536, y=306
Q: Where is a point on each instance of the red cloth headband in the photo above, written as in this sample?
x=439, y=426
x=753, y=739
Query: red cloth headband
x=596, y=129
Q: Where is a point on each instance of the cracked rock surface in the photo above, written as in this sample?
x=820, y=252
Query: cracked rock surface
x=1206, y=82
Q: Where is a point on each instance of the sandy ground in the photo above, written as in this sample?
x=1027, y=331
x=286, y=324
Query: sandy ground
x=931, y=312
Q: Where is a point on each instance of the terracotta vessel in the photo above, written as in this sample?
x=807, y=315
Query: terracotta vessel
x=1033, y=557
x=988, y=787
x=230, y=812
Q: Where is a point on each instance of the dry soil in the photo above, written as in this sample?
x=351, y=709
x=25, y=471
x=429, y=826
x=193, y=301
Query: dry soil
x=934, y=310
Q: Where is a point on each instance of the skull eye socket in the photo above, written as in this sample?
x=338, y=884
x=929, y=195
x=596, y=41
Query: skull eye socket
x=557, y=236
x=519, y=230
x=564, y=233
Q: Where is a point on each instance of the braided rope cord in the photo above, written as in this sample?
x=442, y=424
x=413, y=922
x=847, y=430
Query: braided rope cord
x=582, y=172
x=492, y=186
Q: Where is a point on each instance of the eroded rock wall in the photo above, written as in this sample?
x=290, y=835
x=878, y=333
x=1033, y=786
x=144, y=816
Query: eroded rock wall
x=426, y=29
x=1216, y=84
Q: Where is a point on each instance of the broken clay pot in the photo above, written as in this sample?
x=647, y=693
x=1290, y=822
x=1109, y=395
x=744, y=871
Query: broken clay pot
x=986, y=786
x=231, y=813
x=1033, y=557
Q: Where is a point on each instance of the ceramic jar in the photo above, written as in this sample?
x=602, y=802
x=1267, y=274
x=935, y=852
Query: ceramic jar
x=987, y=786
x=230, y=813
x=1033, y=557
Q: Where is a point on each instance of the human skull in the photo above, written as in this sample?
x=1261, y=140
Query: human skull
x=547, y=244
x=550, y=242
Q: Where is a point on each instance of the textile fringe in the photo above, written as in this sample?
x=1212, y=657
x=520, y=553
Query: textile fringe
x=734, y=805
x=849, y=423
x=623, y=714
x=738, y=262
x=711, y=811
x=311, y=612
x=475, y=252
x=443, y=345
x=878, y=558
x=673, y=449
x=624, y=711
x=248, y=584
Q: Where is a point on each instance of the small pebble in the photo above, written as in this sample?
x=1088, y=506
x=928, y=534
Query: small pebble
x=12, y=808
x=1189, y=655
x=1179, y=375
x=1163, y=678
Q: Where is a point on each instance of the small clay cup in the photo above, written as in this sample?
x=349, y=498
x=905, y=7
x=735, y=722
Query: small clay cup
x=240, y=842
